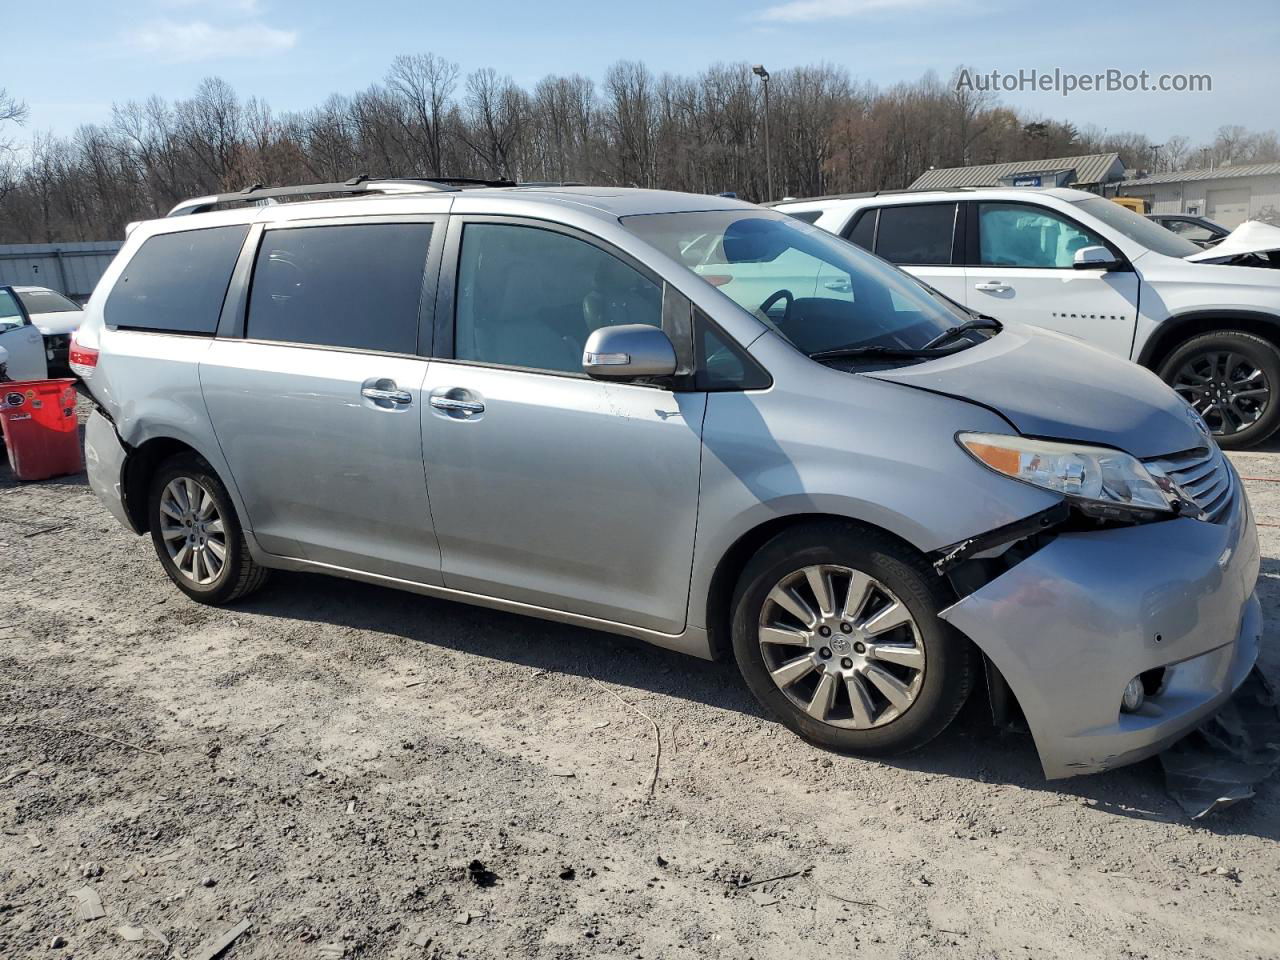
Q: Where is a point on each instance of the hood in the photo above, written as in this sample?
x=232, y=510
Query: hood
x=1056, y=388
x=1252, y=236
x=52, y=324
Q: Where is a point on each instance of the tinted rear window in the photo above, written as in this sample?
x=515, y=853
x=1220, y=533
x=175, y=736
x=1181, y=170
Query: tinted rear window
x=175, y=283
x=916, y=234
x=46, y=301
x=355, y=286
x=863, y=229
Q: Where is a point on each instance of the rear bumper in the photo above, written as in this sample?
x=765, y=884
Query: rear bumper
x=1073, y=623
x=104, y=457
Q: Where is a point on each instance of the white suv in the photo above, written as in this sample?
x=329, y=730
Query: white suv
x=1082, y=265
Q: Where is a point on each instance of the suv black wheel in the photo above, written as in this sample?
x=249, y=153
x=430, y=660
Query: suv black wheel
x=836, y=632
x=197, y=535
x=1233, y=379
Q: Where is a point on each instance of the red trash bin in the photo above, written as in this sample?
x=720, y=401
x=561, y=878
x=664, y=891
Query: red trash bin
x=38, y=418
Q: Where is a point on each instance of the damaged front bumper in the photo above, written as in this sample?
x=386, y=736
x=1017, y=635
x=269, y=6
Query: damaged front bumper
x=1073, y=622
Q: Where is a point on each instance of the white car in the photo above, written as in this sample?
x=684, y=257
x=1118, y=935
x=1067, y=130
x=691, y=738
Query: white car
x=21, y=339
x=1082, y=265
x=55, y=316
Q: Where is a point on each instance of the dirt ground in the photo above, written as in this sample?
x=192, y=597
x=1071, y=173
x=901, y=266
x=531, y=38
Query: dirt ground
x=337, y=770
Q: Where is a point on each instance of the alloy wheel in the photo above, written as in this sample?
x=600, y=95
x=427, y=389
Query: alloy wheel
x=1226, y=388
x=192, y=530
x=841, y=646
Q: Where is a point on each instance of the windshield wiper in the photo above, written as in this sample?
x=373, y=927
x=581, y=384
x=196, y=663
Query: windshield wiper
x=977, y=323
x=843, y=353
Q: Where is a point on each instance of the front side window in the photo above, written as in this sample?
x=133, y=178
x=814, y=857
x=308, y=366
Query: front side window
x=357, y=286
x=46, y=301
x=1020, y=235
x=919, y=234
x=808, y=285
x=176, y=282
x=529, y=297
x=10, y=312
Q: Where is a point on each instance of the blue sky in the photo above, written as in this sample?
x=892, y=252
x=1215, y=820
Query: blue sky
x=76, y=57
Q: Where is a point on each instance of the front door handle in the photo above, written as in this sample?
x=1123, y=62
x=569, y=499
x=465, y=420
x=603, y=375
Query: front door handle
x=390, y=396
x=457, y=406
x=993, y=286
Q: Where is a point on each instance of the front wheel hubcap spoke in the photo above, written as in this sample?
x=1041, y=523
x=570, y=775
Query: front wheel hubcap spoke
x=823, y=697
x=894, y=690
x=793, y=670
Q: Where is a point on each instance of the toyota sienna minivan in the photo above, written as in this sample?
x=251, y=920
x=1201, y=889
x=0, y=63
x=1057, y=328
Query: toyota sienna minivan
x=685, y=419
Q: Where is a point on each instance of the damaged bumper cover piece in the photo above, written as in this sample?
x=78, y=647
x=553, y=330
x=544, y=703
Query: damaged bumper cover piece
x=1070, y=625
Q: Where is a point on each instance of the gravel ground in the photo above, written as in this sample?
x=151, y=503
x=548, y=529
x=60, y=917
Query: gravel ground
x=340, y=770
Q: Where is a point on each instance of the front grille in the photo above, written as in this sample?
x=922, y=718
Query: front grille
x=1203, y=476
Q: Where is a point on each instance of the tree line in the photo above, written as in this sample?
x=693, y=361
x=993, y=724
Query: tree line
x=828, y=132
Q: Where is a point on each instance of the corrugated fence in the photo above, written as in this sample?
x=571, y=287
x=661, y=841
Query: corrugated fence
x=70, y=268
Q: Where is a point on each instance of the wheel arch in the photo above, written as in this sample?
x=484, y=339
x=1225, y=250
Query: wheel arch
x=140, y=467
x=1182, y=327
x=728, y=569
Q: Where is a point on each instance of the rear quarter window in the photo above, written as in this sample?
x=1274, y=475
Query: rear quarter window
x=176, y=282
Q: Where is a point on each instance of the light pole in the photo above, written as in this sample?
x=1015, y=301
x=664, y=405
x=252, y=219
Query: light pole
x=763, y=74
x=1155, y=157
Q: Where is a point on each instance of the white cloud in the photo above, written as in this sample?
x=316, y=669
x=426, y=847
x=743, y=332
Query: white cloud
x=804, y=11
x=198, y=40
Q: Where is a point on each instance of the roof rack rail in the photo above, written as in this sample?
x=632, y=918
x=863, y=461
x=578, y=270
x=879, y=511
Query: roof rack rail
x=257, y=193
x=872, y=193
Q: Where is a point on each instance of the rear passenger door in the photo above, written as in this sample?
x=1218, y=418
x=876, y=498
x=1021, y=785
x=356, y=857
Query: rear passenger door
x=314, y=387
x=925, y=239
x=550, y=488
x=21, y=339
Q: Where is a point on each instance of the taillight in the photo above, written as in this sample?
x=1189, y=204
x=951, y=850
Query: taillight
x=82, y=360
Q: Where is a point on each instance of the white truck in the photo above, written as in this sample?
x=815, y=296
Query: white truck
x=1207, y=321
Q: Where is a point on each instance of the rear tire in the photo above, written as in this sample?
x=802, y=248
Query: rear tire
x=887, y=674
x=197, y=535
x=1233, y=379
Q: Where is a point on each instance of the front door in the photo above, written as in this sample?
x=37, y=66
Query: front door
x=547, y=487
x=21, y=339
x=1024, y=272
x=317, y=406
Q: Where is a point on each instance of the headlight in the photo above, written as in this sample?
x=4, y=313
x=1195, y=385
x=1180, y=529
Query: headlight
x=1106, y=482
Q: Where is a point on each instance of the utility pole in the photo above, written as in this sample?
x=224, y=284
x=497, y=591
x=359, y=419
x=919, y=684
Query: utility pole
x=763, y=74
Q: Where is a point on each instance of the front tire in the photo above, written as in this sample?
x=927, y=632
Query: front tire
x=1233, y=379
x=197, y=535
x=836, y=632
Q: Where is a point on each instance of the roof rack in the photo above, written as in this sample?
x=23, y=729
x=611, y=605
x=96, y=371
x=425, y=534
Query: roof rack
x=257, y=193
x=872, y=193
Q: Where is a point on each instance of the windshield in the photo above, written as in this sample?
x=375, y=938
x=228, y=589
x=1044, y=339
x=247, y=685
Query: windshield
x=1138, y=228
x=46, y=301
x=813, y=288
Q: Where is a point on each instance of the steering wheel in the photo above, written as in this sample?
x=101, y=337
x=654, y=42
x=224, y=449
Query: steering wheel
x=774, y=298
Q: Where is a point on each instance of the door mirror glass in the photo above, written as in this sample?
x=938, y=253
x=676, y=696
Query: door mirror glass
x=630, y=351
x=1094, y=258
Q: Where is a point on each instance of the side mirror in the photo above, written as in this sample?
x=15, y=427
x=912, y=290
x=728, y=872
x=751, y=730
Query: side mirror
x=628, y=352
x=1094, y=258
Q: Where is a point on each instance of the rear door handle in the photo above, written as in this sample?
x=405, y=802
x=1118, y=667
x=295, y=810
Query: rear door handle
x=840, y=286
x=993, y=286
x=391, y=396
x=459, y=406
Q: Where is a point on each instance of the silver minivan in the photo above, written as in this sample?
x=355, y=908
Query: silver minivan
x=685, y=419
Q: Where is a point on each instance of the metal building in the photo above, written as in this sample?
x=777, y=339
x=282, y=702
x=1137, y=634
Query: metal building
x=1089, y=172
x=72, y=269
x=1226, y=195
